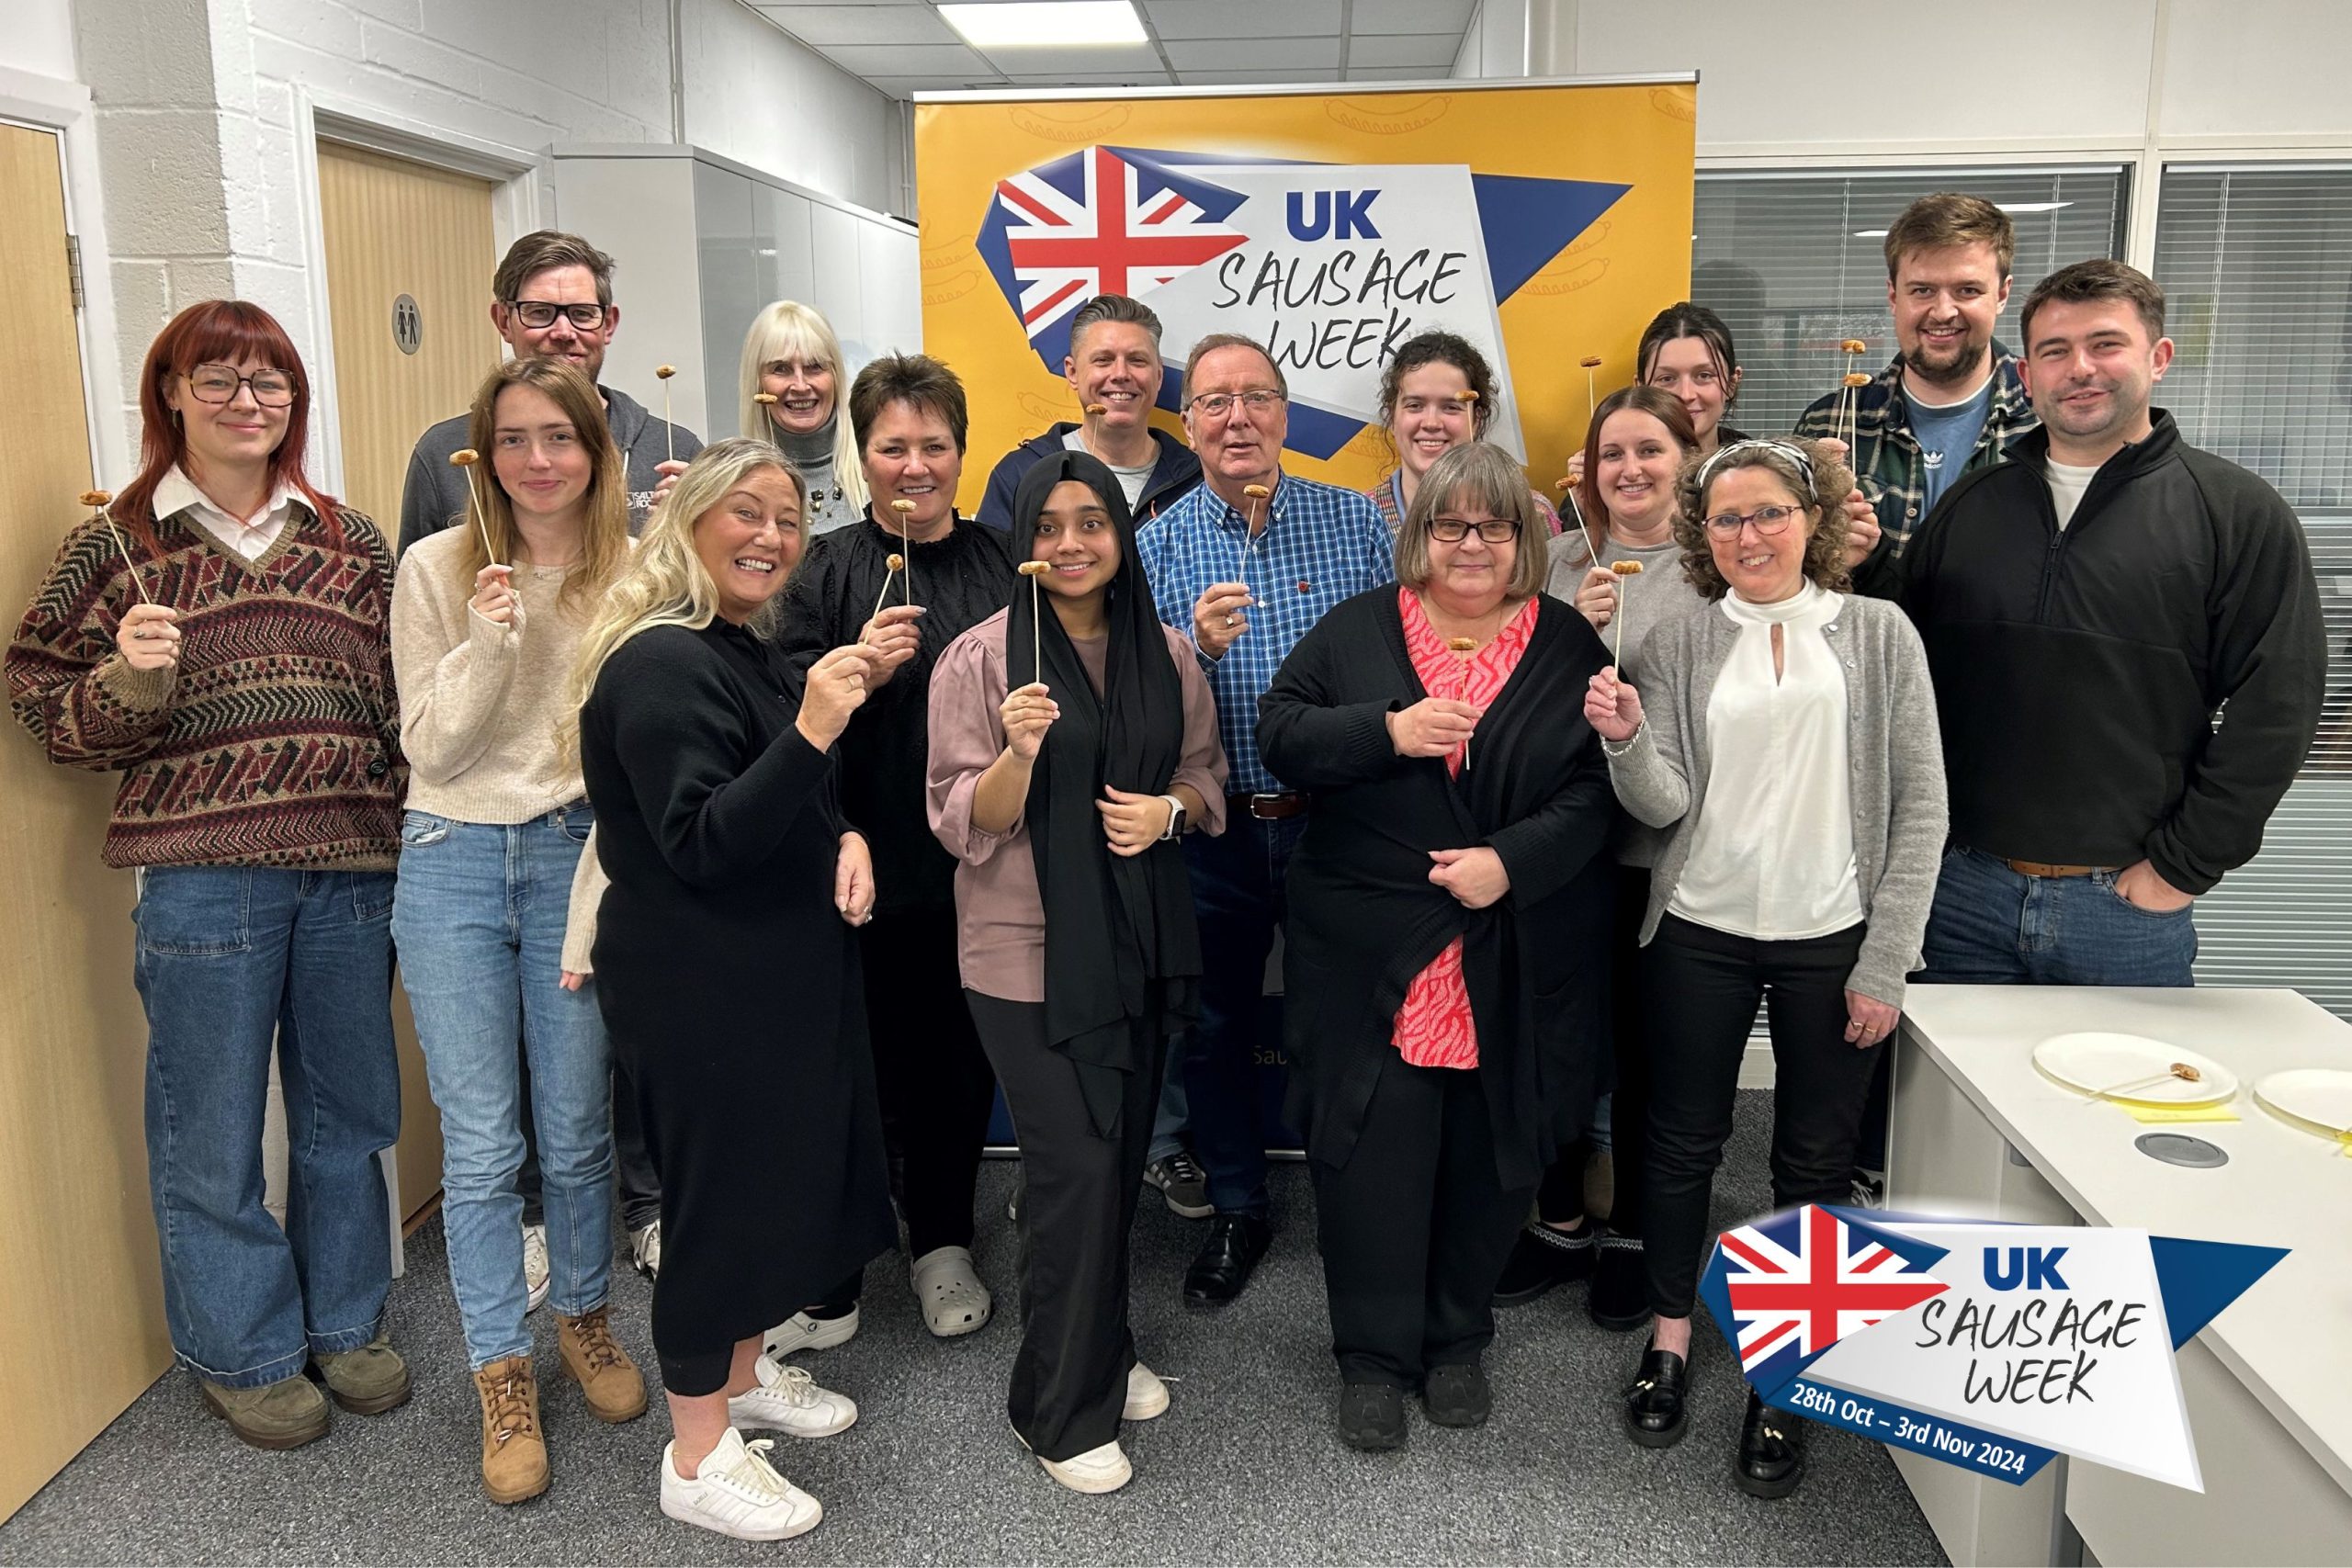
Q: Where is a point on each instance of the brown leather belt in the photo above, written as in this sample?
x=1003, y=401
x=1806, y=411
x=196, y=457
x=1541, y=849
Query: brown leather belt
x=2043, y=868
x=1276, y=807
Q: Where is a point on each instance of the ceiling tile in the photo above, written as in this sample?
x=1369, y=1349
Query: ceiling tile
x=909, y=60
x=1046, y=59
x=1243, y=19
x=1253, y=78
x=1399, y=73
x=1254, y=53
x=1406, y=48
x=1409, y=17
x=823, y=25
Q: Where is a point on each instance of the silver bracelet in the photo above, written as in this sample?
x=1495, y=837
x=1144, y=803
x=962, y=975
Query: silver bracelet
x=1619, y=748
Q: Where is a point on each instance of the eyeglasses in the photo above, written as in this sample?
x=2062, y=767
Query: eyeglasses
x=1216, y=405
x=539, y=314
x=1765, y=520
x=1494, y=530
x=219, y=384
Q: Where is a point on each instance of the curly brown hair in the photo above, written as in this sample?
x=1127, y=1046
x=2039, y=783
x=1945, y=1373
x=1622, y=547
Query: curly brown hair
x=1824, y=501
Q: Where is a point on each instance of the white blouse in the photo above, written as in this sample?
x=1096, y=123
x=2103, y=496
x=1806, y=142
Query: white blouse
x=1772, y=855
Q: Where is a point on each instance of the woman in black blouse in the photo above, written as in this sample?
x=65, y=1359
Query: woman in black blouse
x=707, y=758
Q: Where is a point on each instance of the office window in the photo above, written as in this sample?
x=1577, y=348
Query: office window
x=1795, y=262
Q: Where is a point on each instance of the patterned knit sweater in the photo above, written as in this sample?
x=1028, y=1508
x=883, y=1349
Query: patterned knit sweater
x=274, y=743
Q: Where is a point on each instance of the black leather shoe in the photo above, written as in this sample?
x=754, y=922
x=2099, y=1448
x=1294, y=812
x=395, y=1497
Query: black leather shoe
x=1617, y=1301
x=1226, y=1261
x=1655, y=1416
x=1372, y=1417
x=1771, y=1462
x=1543, y=1258
x=1457, y=1395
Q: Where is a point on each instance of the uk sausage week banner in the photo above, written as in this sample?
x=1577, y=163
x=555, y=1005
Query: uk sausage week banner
x=1546, y=223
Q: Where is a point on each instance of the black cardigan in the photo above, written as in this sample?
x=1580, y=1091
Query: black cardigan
x=1364, y=918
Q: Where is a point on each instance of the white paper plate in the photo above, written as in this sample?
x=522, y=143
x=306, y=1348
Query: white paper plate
x=2094, y=1063
x=2320, y=1096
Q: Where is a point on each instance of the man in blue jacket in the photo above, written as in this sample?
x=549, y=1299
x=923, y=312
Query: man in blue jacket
x=1114, y=368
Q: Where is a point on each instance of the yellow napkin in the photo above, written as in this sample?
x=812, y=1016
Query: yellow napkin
x=2220, y=1111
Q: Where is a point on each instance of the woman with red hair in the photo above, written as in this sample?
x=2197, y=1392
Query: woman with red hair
x=219, y=636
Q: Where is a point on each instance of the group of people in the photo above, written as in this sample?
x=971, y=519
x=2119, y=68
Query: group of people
x=745, y=816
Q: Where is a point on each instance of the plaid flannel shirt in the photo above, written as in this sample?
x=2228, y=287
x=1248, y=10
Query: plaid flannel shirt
x=1887, y=460
x=1321, y=544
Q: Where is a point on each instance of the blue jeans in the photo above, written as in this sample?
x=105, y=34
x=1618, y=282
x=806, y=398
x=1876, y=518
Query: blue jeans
x=480, y=924
x=1237, y=888
x=1174, y=1118
x=1993, y=926
x=231, y=960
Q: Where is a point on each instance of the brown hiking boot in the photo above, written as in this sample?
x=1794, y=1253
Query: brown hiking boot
x=594, y=1358
x=513, y=1450
x=282, y=1414
x=369, y=1380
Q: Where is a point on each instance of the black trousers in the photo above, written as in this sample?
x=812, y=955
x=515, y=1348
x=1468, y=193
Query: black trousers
x=640, y=1190
x=1703, y=986
x=934, y=1079
x=1561, y=1196
x=1415, y=1227
x=1078, y=1203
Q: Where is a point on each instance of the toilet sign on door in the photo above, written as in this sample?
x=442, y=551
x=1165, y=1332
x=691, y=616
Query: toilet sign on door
x=408, y=324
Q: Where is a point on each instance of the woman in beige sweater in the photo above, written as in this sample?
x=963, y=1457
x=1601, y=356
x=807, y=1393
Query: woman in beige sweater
x=486, y=619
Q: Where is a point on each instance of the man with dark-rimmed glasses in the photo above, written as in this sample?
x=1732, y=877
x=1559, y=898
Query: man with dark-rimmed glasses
x=552, y=297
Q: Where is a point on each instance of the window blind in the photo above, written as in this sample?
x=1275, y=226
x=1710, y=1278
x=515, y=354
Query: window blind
x=1795, y=262
x=2256, y=265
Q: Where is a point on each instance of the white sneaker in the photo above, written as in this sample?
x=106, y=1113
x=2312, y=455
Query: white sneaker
x=1095, y=1472
x=645, y=1249
x=953, y=1300
x=787, y=1400
x=737, y=1493
x=535, y=1267
x=801, y=1332
x=1147, y=1395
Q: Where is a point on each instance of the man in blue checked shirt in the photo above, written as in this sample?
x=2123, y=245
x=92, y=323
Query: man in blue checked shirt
x=1245, y=563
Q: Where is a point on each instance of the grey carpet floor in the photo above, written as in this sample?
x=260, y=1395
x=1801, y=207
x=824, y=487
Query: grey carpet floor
x=1244, y=1469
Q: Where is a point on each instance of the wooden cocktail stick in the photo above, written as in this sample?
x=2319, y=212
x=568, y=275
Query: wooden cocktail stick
x=465, y=457
x=1032, y=570
x=905, y=509
x=892, y=565
x=669, y=434
x=1591, y=361
x=1624, y=569
x=102, y=499
x=1465, y=645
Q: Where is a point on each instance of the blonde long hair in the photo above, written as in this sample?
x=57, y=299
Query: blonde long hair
x=604, y=524
x=665, y=584
x=789, y=330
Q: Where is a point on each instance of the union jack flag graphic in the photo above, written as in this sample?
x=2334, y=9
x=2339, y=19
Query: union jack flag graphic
x=1097, y=222
x=1803, y=1280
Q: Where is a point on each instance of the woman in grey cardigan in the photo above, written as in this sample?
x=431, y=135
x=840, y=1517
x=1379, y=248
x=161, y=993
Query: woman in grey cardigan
x=1789, y=748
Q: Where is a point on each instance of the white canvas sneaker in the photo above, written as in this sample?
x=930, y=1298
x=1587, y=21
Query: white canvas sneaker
x=787, y=1400
x=535, y=1267
x=801, y=1332
x=1095, y=1472
x=737, y=1493
x=1147, y=1395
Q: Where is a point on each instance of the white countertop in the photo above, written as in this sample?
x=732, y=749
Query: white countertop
x=2288, y=1339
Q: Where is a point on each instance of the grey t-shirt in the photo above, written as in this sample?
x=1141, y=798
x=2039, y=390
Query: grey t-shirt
x=1132, y=481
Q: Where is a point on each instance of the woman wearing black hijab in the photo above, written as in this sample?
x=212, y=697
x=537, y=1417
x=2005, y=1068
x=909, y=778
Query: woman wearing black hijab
x=1073, y=743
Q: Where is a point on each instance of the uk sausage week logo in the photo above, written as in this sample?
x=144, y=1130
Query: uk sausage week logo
x=1992, y=1347
x=1330, y=266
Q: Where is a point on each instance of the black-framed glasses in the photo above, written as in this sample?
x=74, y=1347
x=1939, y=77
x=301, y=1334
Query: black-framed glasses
x=1765, y=520
x=1494, y=530
x=219, y=384
x=539, y=314
x=1216, y=405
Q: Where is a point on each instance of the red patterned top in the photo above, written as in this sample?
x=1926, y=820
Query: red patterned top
x=1434, y=1028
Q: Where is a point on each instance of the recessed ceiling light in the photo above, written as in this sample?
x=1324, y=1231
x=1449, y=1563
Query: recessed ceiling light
x=1870, y=233
x=1064, y=23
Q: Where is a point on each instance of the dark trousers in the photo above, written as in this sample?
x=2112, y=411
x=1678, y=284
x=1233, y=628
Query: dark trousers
x=640, y=1190
x=1703, y=986
x=1561, y=1196
x=1078, y=1203
x=1415, y=1227
x=1237, y=888
x=930, y=1072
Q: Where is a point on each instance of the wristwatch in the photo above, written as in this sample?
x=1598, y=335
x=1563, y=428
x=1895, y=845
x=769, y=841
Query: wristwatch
x=1175, y=818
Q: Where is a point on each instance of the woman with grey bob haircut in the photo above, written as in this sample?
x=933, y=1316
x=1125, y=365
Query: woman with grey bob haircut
x=1785, y=742
x=1475, y=477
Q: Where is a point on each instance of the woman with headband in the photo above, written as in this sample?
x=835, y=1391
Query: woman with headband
x=1784, y=740
x=1073, y=744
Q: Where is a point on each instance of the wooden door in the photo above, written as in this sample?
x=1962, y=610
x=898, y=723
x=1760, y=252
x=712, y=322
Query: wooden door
x=81, y=1296
x=409, y=262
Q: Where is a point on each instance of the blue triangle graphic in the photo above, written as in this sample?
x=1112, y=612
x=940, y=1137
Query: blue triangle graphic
x=1529, y=221
x=2199, y=1278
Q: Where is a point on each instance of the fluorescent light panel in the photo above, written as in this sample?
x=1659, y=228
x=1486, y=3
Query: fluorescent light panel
x=1062, y=23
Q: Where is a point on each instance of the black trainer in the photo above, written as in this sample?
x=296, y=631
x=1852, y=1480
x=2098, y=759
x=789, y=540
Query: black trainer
x=1456, y=1394
x=1372, y=1417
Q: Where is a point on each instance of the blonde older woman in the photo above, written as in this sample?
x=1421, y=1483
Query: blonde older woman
x=1448, y=895
x=1788, y=749
x=792, y=380
x=708, y=759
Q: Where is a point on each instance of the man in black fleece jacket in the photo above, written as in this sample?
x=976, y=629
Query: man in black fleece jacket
x=2129, y=658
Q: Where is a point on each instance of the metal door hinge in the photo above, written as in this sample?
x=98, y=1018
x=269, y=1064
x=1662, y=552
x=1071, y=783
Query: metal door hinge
x=74, y=269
